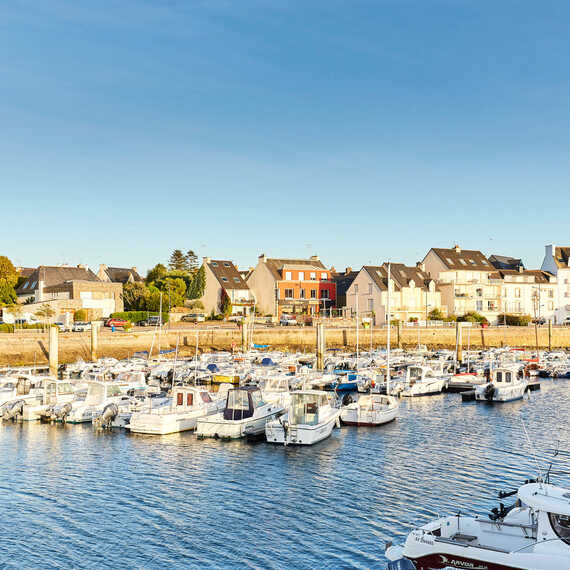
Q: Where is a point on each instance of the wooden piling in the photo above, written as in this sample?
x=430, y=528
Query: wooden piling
x=53, y=350
x=94, y=341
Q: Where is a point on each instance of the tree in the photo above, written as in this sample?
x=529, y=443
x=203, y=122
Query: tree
x=45, y=312
x=135, y=296
x=225, y=304
x=80, y=316
x=198, y=285
x=8, y=271
x=192, y=262
x=155, y=273
x=173, y=289
x=178, y=261
x=7, y=293
x=435, y=315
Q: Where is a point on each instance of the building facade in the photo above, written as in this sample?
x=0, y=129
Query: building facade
x=292, y=286
x=557, y=261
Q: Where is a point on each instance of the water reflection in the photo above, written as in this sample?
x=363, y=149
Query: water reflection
x=80, y=497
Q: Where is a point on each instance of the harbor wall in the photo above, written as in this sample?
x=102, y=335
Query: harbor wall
x=29, y=347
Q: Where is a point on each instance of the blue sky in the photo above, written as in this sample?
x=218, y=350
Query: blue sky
x=358, y=130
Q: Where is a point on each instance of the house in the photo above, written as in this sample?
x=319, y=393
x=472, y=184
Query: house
x=65, y=290
x=343, y=281
x=119, y=274
x=222, y=276
x=467, y=281
x=292, y=286
x=528, y=292
x=412, y=293
x=557, y=261
x=505, y=262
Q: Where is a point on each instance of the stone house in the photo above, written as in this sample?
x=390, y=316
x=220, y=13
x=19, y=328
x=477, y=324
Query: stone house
x=119, y=274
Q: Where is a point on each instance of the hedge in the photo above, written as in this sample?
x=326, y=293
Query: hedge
x=8, y=327
x=514, y=320
x=136, y=316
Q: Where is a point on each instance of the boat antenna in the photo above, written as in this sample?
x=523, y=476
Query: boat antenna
x=556, y=450
x=532, y=451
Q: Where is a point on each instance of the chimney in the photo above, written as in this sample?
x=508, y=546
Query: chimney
x=457, y=248
x=315, y=258
x=134, y=269
x=81, y=266
x=206, y=259
x=420, y=265
x=348, y=270
x=102, y=267
x=521, y=268
x=262, y=258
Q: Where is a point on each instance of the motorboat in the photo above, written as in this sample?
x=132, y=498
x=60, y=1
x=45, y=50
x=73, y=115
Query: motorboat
x=370, y=410
x=532, y=534
x=310, y=418
x=422, y=381
x=245, y=413
x=505, y=385
x=56, y=393
x=188, y=404
x=21, y=387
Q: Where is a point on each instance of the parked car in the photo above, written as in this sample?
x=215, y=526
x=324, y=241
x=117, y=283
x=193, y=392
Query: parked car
x=116, y=323
x=236, y=318
x=62, y=327
x=151, y=321
x=80, y=326
x=539, y=321
x=566, y=321
x=287, y=320
x=193, y=318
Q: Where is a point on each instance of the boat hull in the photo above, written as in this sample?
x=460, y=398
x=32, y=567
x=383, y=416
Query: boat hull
x=302, y=434
x=219, y=428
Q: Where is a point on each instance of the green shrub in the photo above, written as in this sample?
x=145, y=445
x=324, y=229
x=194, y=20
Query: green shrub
x=472, y=317
x=6, y=328
x=514, y=320
x=136, y=316
x=80, y=316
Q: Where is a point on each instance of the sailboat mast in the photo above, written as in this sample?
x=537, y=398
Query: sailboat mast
x=388, y=339
x=357, y=332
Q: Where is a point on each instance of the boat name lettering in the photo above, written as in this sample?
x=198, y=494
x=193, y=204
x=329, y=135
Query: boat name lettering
x=462, y=563
x=425, y=539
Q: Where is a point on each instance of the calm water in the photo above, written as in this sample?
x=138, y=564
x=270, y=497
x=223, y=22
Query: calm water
x=70, y=496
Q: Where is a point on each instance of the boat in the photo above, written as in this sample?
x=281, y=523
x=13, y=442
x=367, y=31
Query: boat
x=532, y=534
x=56, y=394
x=21, y=387
x=310, y=418
x=245, y=413
x=188, y=404
x=422, y=381
x=370, y=410
x=505, y=385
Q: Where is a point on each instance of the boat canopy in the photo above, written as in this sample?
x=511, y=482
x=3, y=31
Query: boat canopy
x=548, y=498
x=241, y=403
x=305, y=406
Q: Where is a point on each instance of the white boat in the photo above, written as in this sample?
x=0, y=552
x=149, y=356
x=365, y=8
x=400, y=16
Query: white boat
x=534, y=534
x=370, y=410
x=99, y=395
x=188, y=404
x=245, y=413
x=505, y=386
x=22, y=387
x=422, y=381
x=56, y=393
x=310, y=418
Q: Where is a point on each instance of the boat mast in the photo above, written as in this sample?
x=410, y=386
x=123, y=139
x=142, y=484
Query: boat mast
x=159, y=324
x=357, y=332
x=388, y=339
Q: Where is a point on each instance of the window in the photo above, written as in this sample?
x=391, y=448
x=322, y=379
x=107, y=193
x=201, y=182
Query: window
x=323, y=275
x=499, y=377
x=26, y=285
x=313, y=293
x=180, y=399
x=214, y=264
x=205, y=397
x=551, y=294
x=325, y=294
x=479, y=292
x=370, y=288
x=507, y=376
x=236, y=279
x=225, y=279
x=33, y=285
x=288, y=275
x=189, y=399
x=289, y=294
x=479, y=305
x=301, y=275
x=472, y=262
x=226, y=264
x=356, y=289
x=518, y=292
x=463, y=262
x=550, y=305
x=450, y=261
x=370, y=305
x=302, y=294
x=561, y=526
x=313, y=275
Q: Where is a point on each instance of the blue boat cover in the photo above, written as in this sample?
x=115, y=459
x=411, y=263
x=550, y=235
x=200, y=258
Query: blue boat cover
x=267, y=362
x=213, y=367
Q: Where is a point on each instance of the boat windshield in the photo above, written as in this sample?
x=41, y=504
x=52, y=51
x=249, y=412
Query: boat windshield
x=305, y=409
x=205, y=397
x=561, y=526
x=238, y=405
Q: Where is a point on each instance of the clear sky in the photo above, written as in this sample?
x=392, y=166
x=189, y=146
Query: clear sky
x=357, y=130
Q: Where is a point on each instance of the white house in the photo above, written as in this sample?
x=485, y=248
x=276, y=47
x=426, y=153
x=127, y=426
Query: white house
x=557, y=262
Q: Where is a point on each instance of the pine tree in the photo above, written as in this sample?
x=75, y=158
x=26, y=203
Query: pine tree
x=192, y=261
x=178, y=261
x=225, y=304
x=157, y=272
x=198, y=285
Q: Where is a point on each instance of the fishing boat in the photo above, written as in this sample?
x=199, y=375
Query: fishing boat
x=56, y=394
x=422, y=381
x=370, y=410
x=532, y=534
x=188, y=404
x=310, y=418
x=505, y=385
x=245, y=413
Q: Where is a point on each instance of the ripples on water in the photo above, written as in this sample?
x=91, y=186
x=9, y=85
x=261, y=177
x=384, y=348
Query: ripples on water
x=70, y=496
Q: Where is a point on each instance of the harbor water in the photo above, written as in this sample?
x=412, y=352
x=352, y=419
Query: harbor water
x=71, y=496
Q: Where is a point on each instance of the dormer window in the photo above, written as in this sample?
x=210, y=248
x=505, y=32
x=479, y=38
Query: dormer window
x=225, y=279
x=236, y=279
x=450, y=261
x=226, y=264
x=26, y=285
x=463, y=262
x=214, y=264
x=472, y=262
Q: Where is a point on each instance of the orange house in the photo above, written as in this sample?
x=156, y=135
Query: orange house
x=292, y=286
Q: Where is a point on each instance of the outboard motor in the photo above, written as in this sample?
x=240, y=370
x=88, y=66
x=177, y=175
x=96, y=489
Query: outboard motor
x=109, y=413
x=48, y=414
x=62, y=412
x=11, y=410
x=489, y=392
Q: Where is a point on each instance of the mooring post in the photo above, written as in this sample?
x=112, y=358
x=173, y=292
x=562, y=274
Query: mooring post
x=549, y=335
x=94, y=340
x=244, y=335
x=320, y=346
x=459, y=342
x=53, y=350
x=399, y=328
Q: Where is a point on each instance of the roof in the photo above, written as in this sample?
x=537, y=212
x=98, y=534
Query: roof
x=463, y=259
x=562, y=256
x=55, y=275
x=505, y=262
x=277, y=265
x=227, y=274
x=25, y=271
x=400, y=274
x=344, y=281
x=545, y=498
x=123, y=274
x=539, y=275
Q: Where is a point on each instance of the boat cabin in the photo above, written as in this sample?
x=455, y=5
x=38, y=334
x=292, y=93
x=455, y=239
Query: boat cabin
x=99, y=392
x=54, y=390
x=277, y=384
x=305, y=406
x=416, y=373
x=242, y=402
x=185, y=397
x=504, y=375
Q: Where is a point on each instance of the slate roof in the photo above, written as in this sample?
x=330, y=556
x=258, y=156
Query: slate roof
x=505, y=262
x=54, y=275
x=276, y=266
x=227, y=274
x=539, y=275
x=463, y=259
x=123, y=275
x=344, y=281
x=401, y=274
